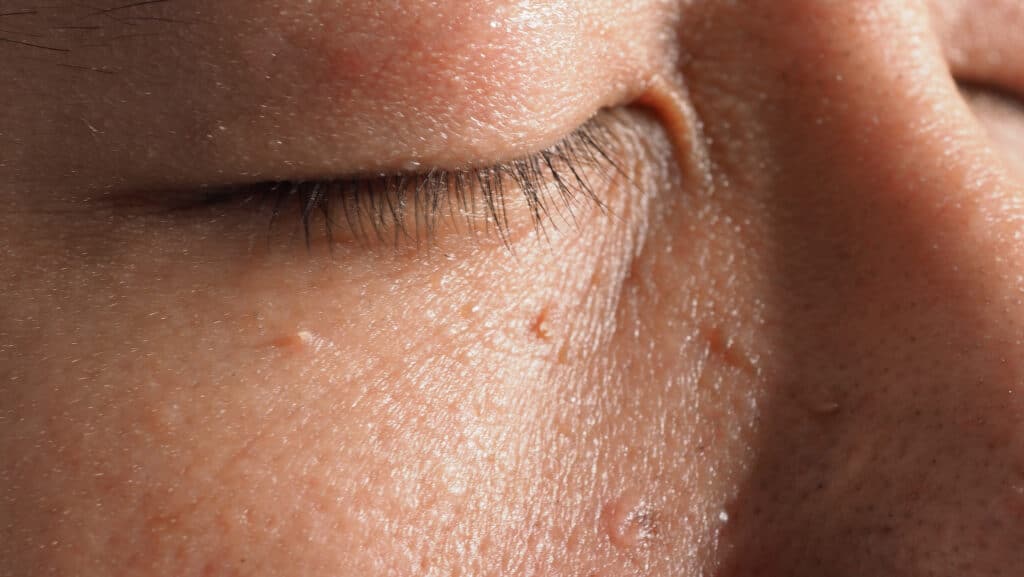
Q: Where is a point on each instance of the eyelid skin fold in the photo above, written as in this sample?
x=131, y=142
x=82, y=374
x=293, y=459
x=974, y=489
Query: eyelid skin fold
x=412, y=207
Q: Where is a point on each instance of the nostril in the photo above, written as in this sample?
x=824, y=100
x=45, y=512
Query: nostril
x=982, y=45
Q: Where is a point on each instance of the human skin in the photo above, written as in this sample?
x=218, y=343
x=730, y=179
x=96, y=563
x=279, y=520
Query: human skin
x=790, y=344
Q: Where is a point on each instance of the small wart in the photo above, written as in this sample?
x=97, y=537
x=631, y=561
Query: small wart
x=727, y=349
x=628, y=521
x=541, y=326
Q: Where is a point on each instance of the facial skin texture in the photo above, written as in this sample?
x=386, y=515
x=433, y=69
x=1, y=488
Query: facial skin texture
x=316, y=89
x=790, y=345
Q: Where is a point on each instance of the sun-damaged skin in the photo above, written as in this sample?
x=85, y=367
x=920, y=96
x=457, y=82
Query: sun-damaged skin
x=789, y=345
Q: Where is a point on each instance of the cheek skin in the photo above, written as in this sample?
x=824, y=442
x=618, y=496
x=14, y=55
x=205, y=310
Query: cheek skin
x=479, y=414
x=803, y=359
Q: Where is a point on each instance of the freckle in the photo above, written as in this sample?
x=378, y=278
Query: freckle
x=628, y=521
x=292, y=343
x=301, y=341
x=563, y=353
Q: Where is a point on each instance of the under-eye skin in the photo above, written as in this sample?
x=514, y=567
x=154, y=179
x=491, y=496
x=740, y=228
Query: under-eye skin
x=410, y=207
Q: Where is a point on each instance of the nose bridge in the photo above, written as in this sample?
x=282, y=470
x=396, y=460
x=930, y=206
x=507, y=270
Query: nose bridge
x=893, y=408
x=854, y=106
x=884, y=196
x=880, y=165
x=889, y=191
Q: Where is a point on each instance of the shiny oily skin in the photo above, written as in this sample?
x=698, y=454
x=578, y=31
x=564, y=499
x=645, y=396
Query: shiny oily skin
x=411, y=435
x=802, y=359
x=240, y=90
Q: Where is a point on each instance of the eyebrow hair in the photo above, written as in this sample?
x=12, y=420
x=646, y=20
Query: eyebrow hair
x=132, y=5
x=32, y=44
x=58, y=31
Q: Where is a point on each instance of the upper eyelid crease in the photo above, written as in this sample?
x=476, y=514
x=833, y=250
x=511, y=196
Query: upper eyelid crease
x=392, y=208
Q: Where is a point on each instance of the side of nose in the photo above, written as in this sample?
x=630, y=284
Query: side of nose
x=891, y=440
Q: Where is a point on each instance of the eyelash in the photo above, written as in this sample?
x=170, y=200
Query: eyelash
x=551, y=181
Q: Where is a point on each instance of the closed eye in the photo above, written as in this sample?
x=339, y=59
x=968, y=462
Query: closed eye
x=411, y=207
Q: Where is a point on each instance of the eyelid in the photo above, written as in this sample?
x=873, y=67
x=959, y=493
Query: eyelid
x=392, y=208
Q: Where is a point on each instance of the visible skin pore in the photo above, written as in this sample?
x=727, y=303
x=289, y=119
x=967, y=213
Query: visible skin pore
x=789, y=345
